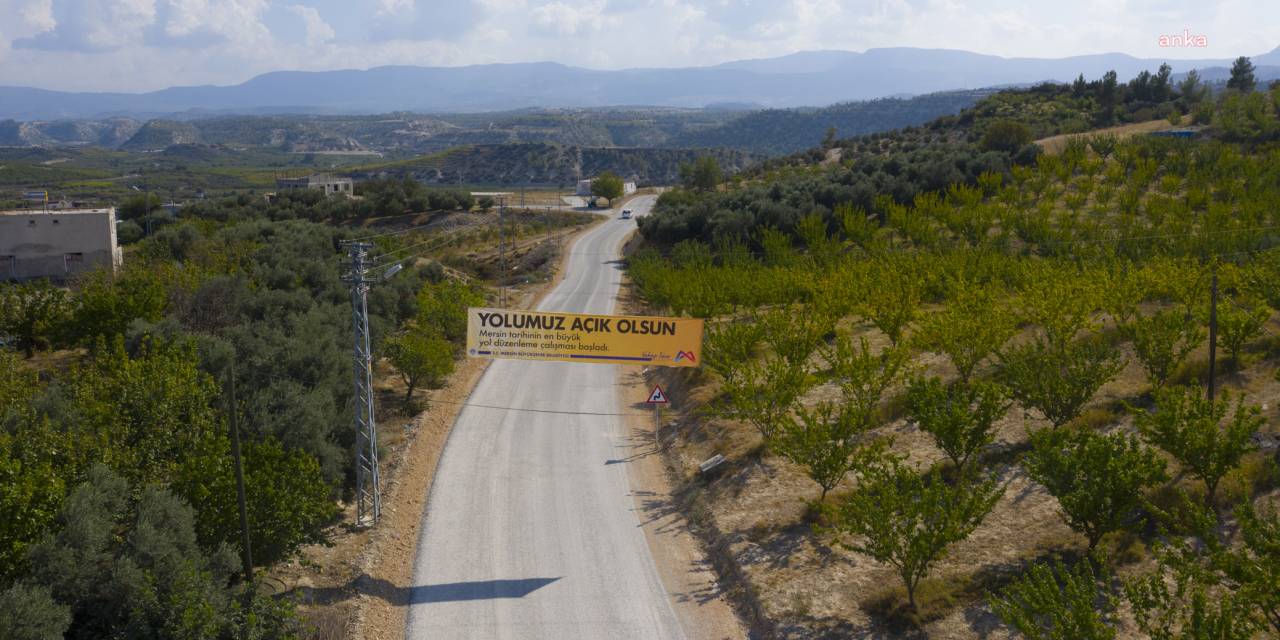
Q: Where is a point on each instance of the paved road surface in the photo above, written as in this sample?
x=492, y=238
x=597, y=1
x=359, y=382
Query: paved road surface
x=530, y=531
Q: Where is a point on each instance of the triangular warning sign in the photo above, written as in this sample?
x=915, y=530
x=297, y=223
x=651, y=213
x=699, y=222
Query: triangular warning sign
x=657, y=396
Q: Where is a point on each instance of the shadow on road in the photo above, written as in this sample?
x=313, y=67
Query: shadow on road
x=480, y=590
x=425, y=594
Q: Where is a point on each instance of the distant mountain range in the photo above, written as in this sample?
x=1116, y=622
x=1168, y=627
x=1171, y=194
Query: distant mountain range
x=806, y=78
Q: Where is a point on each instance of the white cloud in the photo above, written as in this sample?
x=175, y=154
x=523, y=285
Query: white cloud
x=393, y=7
x=318, y=31
x=145, y=44
x=235, y=20
x=90, y=25
x=569, y=19
x=38, y=15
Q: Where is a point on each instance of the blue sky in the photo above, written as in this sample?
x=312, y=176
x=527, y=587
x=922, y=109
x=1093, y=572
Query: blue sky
x=137, y=45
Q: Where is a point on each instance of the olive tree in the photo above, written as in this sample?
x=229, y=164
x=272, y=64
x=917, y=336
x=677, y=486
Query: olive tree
x=28, y=612
x=33, y=314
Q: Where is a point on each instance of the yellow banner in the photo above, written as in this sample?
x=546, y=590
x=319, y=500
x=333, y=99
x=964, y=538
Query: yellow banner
x=537, y=335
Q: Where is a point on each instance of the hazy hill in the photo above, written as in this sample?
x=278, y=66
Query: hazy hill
x=780, y=131
x=771, y=131
x=546, y=164
x=807, y=78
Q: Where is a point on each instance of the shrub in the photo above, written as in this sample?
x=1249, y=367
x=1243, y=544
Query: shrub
x=1006, y=135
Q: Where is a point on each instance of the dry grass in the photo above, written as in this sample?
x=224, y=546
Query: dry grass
x=1055, y=144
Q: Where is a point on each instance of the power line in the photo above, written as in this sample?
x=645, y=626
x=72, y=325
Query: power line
x=451, y=233
x=423, y=226
x=391, y=233
x=436, y=243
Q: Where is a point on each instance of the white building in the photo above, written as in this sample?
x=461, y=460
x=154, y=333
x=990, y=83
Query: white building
x=56, y=244
x=329, y=185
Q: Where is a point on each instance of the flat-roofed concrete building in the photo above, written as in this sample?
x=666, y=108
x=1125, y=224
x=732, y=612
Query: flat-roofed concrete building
x=328, y=184
x=56, y=244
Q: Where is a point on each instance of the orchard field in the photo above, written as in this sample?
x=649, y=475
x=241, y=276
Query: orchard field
x=984, y=409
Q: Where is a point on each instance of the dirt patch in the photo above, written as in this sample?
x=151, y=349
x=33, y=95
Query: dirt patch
x=1055, y=144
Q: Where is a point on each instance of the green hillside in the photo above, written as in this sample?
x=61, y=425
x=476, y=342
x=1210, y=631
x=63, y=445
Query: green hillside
x=782, y=131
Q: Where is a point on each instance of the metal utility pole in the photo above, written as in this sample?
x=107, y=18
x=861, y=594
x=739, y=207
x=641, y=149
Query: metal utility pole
x=368, y=495
x=502, y=254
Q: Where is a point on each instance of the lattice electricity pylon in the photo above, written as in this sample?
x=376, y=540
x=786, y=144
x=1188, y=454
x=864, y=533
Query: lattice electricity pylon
x=368, y=495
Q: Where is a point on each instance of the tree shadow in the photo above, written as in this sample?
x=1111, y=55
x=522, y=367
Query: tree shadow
x=641, y=442
x=478, y=590
x=423, y=594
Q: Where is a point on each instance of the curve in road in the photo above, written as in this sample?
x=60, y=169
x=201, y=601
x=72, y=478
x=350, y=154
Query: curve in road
x=530, y=530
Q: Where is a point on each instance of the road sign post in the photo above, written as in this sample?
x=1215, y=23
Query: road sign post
x=657, y=398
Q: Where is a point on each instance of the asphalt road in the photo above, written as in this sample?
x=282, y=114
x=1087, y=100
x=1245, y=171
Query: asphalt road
x=530, y=530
